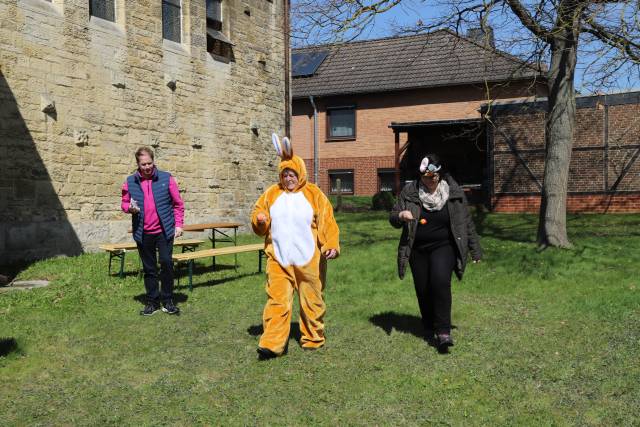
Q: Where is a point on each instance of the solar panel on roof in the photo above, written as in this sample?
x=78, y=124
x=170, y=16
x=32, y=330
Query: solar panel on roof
x=306, y=63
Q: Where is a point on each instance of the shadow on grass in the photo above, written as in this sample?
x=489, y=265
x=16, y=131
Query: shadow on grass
x=8, y=346
x=213, y=282
x=523, y=231
x=256, y=330
x=407, y=323
x=116, y=275
x=523, y=227
x=178, y=297
x=616, y=225
x=198, y=269
x=362, y=238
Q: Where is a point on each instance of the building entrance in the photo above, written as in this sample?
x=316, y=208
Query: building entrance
x=462, y=146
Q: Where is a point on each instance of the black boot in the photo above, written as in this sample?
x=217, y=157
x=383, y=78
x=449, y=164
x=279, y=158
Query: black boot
x=266, y=354
x=444, y=341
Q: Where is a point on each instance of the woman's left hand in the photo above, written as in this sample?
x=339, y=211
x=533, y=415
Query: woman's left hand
x=178, y=232
x=331, y=254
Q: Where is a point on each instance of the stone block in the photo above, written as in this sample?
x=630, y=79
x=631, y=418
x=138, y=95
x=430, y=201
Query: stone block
x=94, y=231
x=21, y=236
x=170, y=81
x=24, y=189
x=81, y=137
x=47, y=105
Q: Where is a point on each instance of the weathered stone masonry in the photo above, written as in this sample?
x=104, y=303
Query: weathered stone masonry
x=79, y=94
x=604, y=173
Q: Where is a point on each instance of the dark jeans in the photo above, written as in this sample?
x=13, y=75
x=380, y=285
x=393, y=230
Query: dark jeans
x=431, y=270
x=147, y=251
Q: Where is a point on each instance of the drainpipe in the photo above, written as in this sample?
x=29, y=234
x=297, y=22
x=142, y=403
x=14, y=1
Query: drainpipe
x=316, y=161
x=287, y=66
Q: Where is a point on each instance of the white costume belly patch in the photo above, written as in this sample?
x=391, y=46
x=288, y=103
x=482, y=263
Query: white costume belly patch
x=291, y=217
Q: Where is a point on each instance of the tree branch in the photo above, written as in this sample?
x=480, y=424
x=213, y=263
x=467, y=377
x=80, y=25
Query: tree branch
x=624, y=44
x=527, y=20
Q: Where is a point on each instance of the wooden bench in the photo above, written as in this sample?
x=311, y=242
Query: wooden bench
x=190, y=257
x=118, y=250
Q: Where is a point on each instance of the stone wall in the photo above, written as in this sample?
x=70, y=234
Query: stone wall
x=604, y=173
x=79, y=94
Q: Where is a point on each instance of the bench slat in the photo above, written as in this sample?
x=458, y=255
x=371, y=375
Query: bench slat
x=210, y=225
x=218, y=251
x=130, y=246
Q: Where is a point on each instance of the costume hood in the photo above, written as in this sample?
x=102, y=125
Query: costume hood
x=289, y=160
x=297, y=165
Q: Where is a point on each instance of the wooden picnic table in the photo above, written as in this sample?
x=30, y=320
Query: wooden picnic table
x=119, y=250
x=218, y=227
x=190, y=257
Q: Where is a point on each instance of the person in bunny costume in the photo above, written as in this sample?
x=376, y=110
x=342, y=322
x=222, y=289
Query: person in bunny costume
x=301, y=233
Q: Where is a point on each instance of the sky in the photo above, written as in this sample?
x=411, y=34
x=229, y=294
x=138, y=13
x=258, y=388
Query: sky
x=411, y=11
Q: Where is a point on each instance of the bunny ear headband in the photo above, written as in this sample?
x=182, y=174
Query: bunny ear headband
x=284, y=149
x=425, y=166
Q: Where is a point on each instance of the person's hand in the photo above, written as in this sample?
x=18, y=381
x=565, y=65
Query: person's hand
x=178, y=232
x=133, y=207
x=331, y=254
x=405, y=216
x=261, y=218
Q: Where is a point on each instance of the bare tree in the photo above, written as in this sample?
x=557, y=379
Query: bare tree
x=554, y=32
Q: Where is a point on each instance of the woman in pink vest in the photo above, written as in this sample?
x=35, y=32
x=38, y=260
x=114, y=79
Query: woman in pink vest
x=151, y=196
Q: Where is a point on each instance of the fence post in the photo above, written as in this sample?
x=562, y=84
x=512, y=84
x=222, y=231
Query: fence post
x=339, y=197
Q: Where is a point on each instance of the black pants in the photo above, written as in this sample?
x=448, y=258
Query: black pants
x=431, y=270
x=147, y=251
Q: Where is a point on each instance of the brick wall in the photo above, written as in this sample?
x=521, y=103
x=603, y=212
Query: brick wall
x=62, y=170
x=604, y=173
x=365, y=172
x=576, y=203
x=374, y=114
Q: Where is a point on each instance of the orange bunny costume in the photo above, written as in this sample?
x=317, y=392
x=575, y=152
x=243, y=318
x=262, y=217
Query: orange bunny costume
x=299, y=228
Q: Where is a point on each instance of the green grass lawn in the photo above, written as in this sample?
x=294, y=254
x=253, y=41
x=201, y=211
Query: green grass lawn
x=542, y=338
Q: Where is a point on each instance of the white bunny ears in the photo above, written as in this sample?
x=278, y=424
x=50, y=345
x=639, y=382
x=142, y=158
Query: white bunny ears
x=425, y=166
x=284, y=149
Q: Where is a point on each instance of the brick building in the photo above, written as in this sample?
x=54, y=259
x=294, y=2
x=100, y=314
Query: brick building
x=83, y=83
x=604, y=173
x=352, y=98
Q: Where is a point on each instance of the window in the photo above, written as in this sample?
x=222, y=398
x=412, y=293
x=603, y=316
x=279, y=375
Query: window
x=171, y=20
x=346, y=181
x=105, y=9
x=386, y=179
x=341, y=122
x=214, y=14
x=218, y=45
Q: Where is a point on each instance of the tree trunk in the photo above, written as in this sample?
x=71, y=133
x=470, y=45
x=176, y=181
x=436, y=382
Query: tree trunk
x=560, y=123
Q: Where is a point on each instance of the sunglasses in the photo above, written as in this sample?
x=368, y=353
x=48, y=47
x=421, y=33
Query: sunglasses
x=432, y=170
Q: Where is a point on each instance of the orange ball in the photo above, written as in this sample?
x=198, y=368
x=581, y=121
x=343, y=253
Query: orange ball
x=423, y=221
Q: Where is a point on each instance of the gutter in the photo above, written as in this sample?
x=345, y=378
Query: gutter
x=408, y=88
